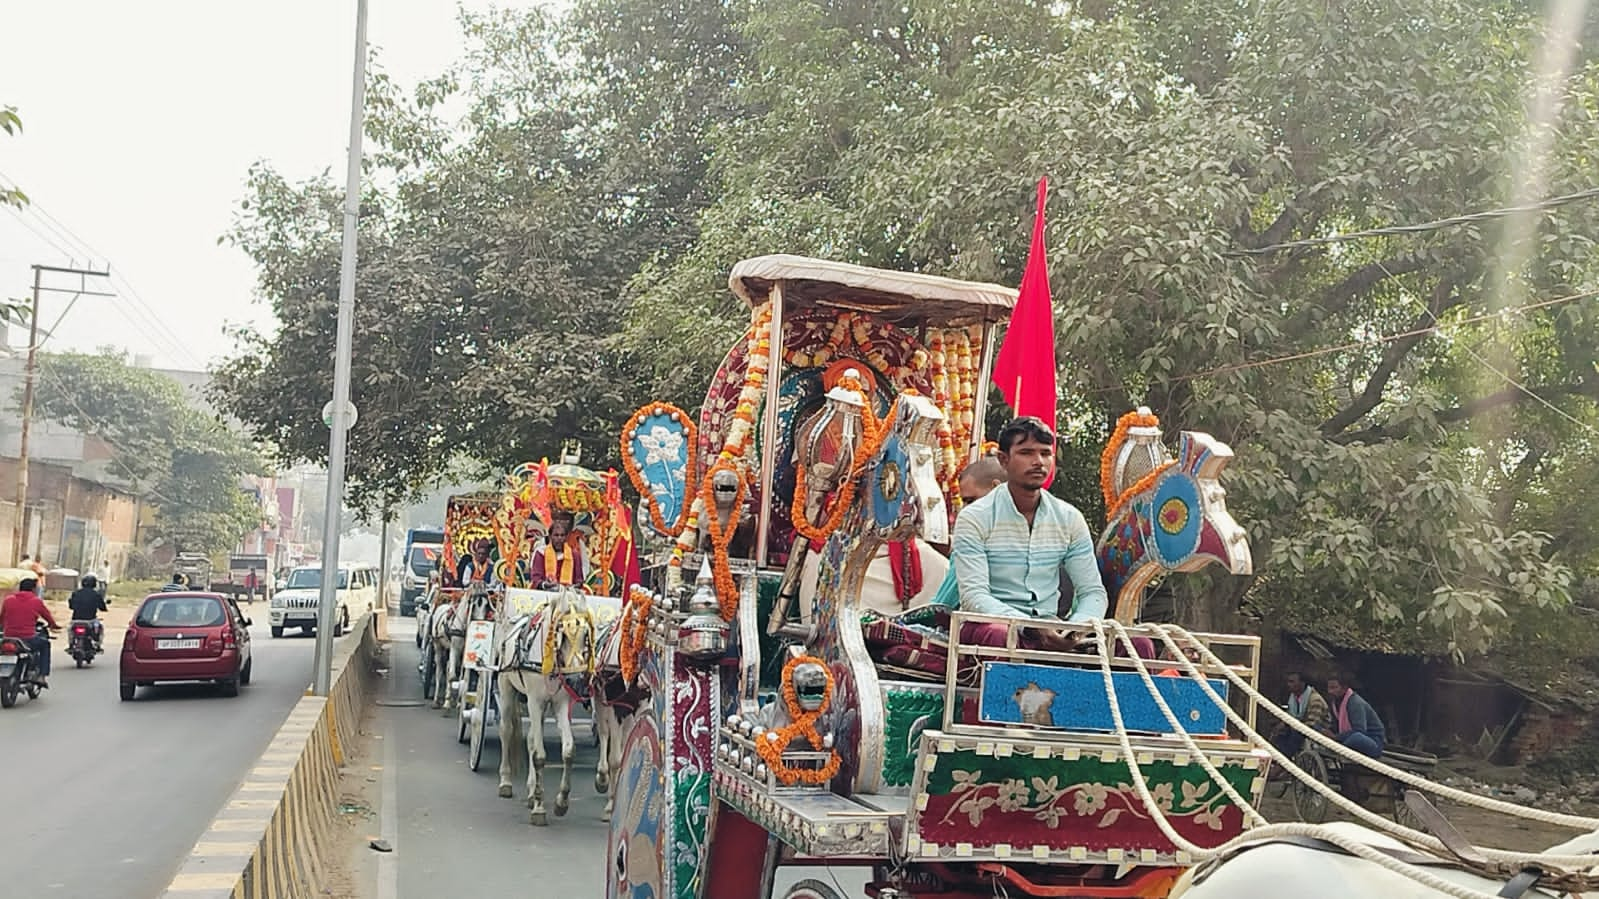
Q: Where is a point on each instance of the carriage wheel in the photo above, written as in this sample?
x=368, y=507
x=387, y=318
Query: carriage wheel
x=1309, y=805
x=812, y=889
x=480, y=722
x=463, y=716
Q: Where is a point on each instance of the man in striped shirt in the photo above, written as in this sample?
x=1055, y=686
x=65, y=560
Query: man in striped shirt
x=1010, y=547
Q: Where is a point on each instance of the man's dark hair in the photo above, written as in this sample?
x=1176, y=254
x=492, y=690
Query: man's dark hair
x=89, y=581
x=1343, y=677
x=1028, y=427
x=28, y=585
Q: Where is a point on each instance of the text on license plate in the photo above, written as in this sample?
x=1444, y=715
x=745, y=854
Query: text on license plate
x=8, y=660
x=185, y=643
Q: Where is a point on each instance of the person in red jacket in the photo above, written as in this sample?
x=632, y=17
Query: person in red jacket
x=19, y=615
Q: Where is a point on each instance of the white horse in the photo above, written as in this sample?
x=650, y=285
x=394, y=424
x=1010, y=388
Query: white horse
x=447, y=626
x=566, y=630
x=1286, y=869
x=614, y=702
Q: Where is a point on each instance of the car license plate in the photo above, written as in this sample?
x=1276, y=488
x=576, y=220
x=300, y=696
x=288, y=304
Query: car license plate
x=185, y=643
x=8, y=660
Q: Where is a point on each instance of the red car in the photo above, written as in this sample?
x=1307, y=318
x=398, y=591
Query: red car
x=186, y=637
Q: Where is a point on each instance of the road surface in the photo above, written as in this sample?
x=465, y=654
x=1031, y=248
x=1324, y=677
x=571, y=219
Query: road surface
x=452, y=835
x=118, y=792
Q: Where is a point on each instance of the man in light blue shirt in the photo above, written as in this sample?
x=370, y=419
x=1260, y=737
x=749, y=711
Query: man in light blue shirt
x=1010, y=547
x=977, y=481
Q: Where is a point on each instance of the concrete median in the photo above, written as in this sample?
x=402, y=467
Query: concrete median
x=272, y=837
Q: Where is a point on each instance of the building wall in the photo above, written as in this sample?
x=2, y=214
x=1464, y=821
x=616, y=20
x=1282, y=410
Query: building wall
x=71, y=521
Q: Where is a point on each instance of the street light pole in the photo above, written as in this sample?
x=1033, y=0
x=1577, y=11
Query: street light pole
x=340, y=422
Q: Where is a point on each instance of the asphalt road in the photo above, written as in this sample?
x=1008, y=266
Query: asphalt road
x=105, y=798
x=450, y=831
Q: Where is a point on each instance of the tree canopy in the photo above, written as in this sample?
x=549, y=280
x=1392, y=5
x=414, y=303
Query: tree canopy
x=1412, y=412
x=180, y=458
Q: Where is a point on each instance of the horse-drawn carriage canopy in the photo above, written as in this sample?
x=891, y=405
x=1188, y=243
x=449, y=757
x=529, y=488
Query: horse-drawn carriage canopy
x=897, y=297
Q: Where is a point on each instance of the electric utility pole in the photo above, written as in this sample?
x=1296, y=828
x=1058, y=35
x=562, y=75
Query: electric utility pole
x=20, y=522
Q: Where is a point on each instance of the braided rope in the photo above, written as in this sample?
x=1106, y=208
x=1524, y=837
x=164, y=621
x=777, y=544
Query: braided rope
x=1316, y=831
x=1510, y=862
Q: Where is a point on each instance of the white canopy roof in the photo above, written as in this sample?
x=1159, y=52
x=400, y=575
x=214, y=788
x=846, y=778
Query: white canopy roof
x=891, y=294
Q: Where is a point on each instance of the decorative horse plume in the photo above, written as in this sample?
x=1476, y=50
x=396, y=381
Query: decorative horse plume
x=1163, y=514
x=658, y=451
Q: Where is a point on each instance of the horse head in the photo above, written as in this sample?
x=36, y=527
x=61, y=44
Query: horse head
x=1164, y=514
x=897, y=496
x=572, y=631
x=828, y=441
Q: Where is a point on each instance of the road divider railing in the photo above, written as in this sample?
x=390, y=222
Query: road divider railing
x=272, y=838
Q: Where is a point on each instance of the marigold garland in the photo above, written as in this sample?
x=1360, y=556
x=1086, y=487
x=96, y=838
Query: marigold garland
x=1113, y=446
x=691, y=436
x=802, y=724
x=721, y=566
x=875, y=434
x=1115, y=499
x=635, y=627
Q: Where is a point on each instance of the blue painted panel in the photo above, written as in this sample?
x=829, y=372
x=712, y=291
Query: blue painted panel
x=1074, y=699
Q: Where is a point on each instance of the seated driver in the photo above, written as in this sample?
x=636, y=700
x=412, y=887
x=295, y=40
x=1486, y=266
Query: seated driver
x=560, y=560
x=477, y=566
x=1010, y=547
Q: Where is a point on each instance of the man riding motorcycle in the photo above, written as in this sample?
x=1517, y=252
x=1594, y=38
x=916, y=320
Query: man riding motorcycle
x=87, y=602
x=19, y=616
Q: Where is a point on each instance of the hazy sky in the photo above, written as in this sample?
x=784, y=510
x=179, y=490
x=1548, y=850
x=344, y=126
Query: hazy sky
x=140, y=120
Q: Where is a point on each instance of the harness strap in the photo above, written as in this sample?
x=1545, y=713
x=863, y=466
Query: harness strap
x=1520, y=884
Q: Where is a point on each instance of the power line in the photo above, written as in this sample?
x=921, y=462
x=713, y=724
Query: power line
x=1503, y=375
x=162, y=333
x=1438, y=225
x=1374, y=341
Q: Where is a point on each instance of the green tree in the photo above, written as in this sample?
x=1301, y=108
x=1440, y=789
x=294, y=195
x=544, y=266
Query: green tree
x=1409, y=411
x=180, y=458
x=1177, y=136
x=11, y=124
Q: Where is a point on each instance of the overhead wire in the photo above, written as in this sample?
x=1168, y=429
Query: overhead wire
x=1504, y=376
x=142, y=315
x=1457, y=221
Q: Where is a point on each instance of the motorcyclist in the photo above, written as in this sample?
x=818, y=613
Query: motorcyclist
x=87, y=602
x=19, y=617
x=178, y=585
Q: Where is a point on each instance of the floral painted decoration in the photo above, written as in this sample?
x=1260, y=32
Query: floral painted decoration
x=665, y=449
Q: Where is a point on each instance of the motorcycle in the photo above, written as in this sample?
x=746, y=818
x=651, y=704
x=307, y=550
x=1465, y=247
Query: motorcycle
x=83, y=643
x=18, y=669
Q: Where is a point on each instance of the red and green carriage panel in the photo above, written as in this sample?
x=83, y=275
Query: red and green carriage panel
x=980, y=798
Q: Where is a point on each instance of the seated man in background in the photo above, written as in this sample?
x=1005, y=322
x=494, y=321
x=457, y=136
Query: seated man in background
x=1305, y=704
x=1010, y=547
x=1354, y=722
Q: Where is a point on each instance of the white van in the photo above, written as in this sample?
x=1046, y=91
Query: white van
x=295, y=603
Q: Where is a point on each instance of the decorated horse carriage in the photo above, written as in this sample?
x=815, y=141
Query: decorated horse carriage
x=848, y=737
x=533, y=632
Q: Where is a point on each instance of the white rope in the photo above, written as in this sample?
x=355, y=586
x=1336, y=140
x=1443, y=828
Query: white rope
x=1252, y=818
x=1316, y=831
x=1511, y=859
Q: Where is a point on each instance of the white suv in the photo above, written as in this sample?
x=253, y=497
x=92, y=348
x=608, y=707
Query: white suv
x=295, y=603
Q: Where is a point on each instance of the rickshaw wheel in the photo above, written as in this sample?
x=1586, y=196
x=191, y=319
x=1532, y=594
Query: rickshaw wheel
x=1402, y=814
x=812, y=889
x=1309, y=805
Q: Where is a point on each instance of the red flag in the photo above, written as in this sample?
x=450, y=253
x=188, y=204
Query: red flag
x=624, y=565
x=1024, y=372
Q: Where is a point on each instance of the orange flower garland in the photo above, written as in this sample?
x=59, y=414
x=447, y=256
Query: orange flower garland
x=1114, y=499
x=872, y=440
x=691, y=447
x=634, y=625
x=721, y=566
x=803, y=724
